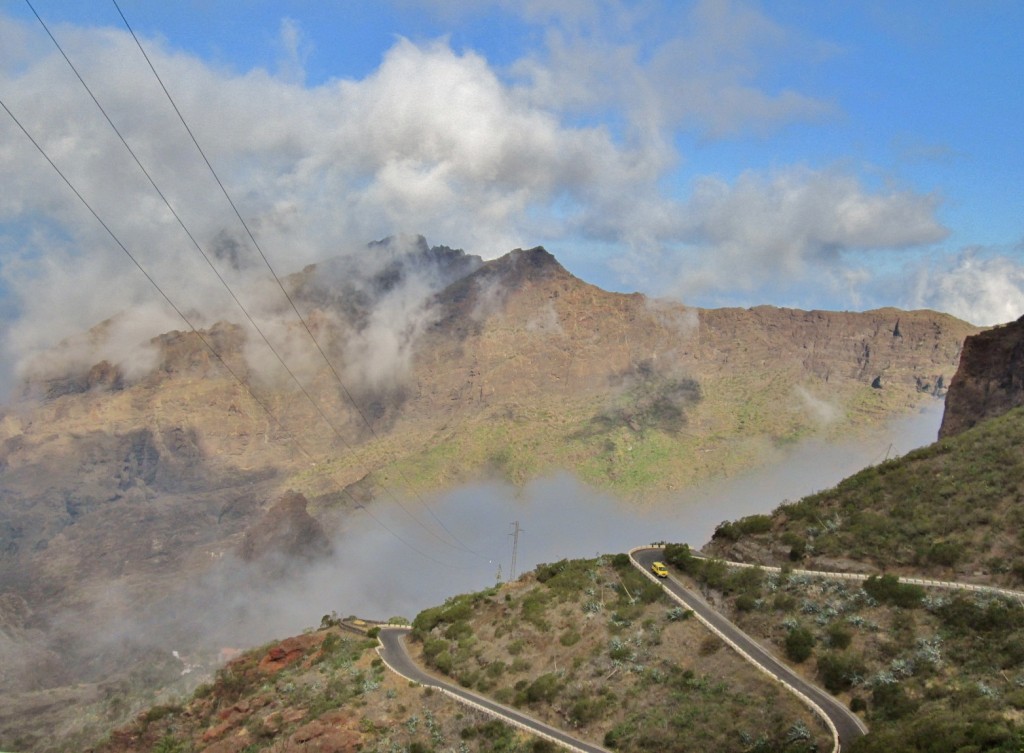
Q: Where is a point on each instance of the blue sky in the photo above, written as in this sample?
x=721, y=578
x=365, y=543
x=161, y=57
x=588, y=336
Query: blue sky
x=842, y=155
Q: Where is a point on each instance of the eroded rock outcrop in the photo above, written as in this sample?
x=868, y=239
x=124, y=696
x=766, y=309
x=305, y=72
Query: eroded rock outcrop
x=287, y=531
x=989, y=381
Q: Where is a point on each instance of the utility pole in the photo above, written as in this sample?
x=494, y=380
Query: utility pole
x=515, y=548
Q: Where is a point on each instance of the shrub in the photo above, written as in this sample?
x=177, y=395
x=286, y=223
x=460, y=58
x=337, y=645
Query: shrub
x=839, y=636
x=443, y=662
x=713, y=573
x=784, y=602
x=727, y=531
x=945, y=553
x=838, y=670
x=753, y=524
x=427, y=620
x=887, y=589
x=543, y=689
x=799, y=644
x=709, y=645
x=890, y=702
x=588, y=709
x=679, y=555
x=169, y=744
x=458, y=630
x=746, y=602
x=569, y=638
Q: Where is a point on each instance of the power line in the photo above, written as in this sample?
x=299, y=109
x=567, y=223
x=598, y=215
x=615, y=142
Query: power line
x=197, y=332
x=277, y=279
x=224, y=282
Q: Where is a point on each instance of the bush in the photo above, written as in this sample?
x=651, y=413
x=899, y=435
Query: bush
x=727, y=531
x=680, y=556
x=588, y=709
x=962, y=615
x=838, y=670
x=799, y=644
x=891, y=702
x=839, y=636
x=458, y=630
x=887, y=589
x=170, y=744
x=443, y=662
x=569, y=638
x=945, y=553
x=746, y=602
x=543, y=689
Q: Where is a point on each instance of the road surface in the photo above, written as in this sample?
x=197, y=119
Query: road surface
x=392, y=650
x=847, y=725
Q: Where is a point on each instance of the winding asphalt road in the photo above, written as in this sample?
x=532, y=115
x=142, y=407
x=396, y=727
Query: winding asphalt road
x=844, y=724
x=392, y=651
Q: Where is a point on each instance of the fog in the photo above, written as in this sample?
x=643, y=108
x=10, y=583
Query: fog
x=424, y=556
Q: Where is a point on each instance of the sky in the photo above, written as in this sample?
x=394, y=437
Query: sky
x=842, y=155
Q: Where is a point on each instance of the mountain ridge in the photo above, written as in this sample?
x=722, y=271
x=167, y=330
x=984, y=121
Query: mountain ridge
x=143, y=476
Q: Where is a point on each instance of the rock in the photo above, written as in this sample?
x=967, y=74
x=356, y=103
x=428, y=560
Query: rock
x=334, y=732
x=286, y=652
x=286, y=529
x=989, y=381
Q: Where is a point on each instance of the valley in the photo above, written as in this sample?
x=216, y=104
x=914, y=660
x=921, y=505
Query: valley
x=143, y=499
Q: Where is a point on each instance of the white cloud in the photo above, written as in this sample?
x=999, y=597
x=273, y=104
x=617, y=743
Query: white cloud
x=978, y=289
x=792, y=226
x=295, y=51
x=433, y=141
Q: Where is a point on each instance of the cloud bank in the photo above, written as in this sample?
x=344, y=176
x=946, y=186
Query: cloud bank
x=573, y=145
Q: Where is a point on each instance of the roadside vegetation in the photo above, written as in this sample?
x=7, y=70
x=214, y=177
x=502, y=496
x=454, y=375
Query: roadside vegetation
x=951, y=510
x=929, y=669
x=324, y=690
x=595, y=647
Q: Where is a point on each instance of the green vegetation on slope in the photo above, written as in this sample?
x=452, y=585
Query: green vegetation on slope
x=903, y=655
x=325, y=690
x=932, y=670
x=595, y=645
x=953, y=508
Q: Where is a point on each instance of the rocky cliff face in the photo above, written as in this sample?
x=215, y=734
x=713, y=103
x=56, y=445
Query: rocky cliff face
x=989, y=380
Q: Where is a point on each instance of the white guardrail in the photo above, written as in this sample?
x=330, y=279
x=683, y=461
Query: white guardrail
x=806, y=700
x=493, y=713
x=948, y=584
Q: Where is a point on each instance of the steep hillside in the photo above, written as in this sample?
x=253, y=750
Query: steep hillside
x=932, y=669
x=949, y=510
x=629, y=671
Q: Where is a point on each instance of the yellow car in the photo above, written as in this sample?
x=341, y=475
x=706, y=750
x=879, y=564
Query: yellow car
x=659, y=569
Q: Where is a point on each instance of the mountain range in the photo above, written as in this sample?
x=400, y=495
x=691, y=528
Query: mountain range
x=413, y=369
